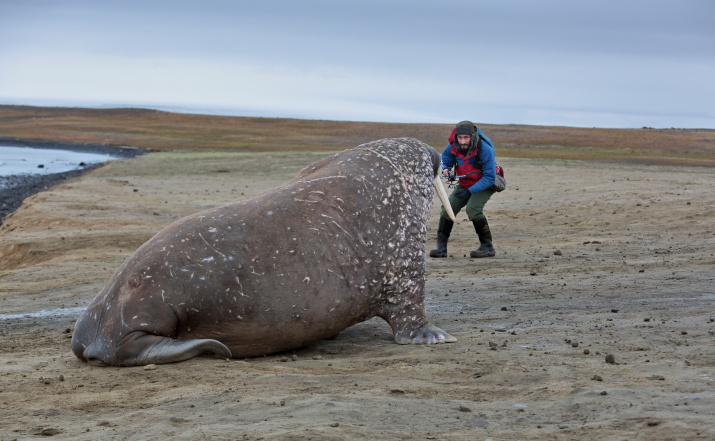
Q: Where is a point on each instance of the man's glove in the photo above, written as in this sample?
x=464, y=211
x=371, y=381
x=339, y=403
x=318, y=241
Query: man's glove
x=463, y=193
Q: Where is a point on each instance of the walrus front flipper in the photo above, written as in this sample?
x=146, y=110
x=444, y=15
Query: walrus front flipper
x=427, y=334
x=409, y=324
x=154, y=349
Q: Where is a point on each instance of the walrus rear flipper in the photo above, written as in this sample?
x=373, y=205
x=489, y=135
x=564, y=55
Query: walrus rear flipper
x=154, y=349
x=140, y=349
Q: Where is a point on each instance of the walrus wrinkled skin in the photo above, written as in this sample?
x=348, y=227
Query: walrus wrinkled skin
x=340, y=243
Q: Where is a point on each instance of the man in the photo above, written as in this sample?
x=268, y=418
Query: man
x=472, y=155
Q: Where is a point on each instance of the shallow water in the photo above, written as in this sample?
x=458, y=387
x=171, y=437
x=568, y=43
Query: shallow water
x=48, y=313
x=25, y=160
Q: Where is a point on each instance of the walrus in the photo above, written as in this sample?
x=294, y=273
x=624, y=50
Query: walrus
x=340, y=243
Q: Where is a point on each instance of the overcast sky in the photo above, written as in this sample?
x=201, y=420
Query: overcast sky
x=623, y=63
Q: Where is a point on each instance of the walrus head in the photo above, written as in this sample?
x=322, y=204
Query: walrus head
x=436, y=160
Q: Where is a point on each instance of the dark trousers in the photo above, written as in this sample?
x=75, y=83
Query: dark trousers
x=474, y=204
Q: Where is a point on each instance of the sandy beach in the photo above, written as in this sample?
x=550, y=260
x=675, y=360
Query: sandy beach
x=595, y=320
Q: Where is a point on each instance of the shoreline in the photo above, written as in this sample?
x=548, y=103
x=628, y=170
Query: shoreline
x=118, y=151
x=14, y=189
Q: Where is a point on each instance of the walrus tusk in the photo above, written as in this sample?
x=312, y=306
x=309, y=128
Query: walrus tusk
x=442, y=193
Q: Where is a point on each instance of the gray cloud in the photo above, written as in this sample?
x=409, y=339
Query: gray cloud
x=610, y=63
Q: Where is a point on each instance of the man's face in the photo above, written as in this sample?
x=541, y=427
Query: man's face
x=463, y=140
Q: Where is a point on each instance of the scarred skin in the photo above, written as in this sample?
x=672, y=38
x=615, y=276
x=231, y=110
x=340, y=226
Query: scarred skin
x=340, y=243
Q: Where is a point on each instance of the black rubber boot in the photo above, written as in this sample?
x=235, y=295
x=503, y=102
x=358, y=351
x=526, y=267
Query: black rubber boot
x=486, y=249
x=443, y=232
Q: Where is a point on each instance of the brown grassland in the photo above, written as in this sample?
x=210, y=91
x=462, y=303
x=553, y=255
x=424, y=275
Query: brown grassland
x=159, y=130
